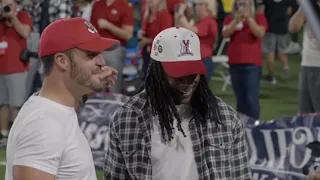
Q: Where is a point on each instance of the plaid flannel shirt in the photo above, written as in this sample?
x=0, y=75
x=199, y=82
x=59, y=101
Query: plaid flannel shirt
x=221, y=152
x=58, y=9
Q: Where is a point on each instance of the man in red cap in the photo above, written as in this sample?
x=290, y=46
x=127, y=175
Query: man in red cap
x=114, y=19
x=175, y=127
x=45, y=142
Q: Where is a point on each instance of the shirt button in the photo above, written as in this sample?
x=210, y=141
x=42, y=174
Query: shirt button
x=191, y=126
x=195, y=148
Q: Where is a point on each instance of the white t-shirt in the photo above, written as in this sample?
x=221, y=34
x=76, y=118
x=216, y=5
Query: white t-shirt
x=46, y=136
x=173, y=160
x=311, y=49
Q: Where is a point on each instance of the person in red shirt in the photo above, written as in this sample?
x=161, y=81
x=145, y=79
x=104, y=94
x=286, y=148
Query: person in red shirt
x=156, y=19
x=114, y=19
x=171, y=6
x=245, y=28
x=15, y=27
x=206, y=28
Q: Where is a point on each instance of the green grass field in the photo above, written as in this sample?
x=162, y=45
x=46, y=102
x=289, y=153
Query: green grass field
x=280, y=100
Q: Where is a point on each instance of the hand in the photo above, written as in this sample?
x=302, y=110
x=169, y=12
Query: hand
x=182, y=9
x=246, y=15
x=144, y=41
x=237, y=16
x=108, y=76
x=313, y=175
x=140, y=34
x=103, y=24
x=9, y=15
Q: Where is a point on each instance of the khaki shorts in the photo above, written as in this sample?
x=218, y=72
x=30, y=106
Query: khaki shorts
x=275, y=43
x=13, y=89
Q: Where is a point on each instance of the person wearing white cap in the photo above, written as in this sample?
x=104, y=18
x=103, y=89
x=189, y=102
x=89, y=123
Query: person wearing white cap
x=175, y=127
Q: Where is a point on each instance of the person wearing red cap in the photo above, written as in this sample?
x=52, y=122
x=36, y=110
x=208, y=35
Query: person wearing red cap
x=114, y=19
x=46, y=142
x=175, y=127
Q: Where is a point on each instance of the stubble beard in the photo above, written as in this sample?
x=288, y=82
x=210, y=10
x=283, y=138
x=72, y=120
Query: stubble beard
x=81, y=78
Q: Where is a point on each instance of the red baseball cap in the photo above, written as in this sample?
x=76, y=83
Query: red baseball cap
x=68, y=33
x=178, y=50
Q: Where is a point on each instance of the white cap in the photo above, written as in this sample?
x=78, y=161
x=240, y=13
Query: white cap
x=178, y=47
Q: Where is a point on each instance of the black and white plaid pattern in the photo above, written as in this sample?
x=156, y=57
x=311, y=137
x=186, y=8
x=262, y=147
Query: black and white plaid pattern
x=58, y=9
x=221, y=152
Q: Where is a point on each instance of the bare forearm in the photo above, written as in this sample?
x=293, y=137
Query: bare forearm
x=229, y=29
x=184, y=23
x=296, y=21
x=120, y=32
x=22, y=29
x=147, y=40
x=256, y=29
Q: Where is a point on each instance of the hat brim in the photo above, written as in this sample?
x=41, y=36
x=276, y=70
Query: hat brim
x=99, y=45
x=184, y=68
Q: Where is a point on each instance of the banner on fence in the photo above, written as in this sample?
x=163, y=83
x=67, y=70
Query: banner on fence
x=277, y=148
x=94, y=117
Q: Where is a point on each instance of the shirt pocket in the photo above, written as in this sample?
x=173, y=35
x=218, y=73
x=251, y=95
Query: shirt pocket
x=135, y=157
x=218, y=151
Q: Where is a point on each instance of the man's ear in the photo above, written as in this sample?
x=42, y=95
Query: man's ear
x=61, y=60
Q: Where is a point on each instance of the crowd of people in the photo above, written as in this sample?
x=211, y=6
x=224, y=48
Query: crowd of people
x=258, y=27
x=178, y=39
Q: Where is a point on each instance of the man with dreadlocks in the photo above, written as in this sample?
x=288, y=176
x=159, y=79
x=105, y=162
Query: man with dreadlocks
x=175, y=128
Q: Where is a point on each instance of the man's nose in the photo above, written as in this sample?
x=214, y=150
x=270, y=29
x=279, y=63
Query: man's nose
x=101, y=61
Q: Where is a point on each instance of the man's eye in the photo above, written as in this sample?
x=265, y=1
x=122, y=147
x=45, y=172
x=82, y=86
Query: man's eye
x=92, y=55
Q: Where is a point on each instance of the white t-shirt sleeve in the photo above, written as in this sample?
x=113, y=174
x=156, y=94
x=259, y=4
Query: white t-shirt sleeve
x=87, y=12
x=40, y=144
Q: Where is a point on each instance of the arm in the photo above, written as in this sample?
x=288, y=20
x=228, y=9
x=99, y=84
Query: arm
x=124, y=32
x=145, y=41
x=183, y=22
x=229, y=28
x=256, y=29
x=296, y=21
x=114, y=165
x=27, y=173
x=239, y=157
x=38, y=150
x=22, y=28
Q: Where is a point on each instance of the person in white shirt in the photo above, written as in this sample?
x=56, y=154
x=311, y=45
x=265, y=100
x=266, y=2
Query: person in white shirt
x=45, y=141
x=309, y=81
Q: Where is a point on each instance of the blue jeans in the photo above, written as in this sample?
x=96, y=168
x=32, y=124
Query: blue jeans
x=245, y=81
x=209, y=66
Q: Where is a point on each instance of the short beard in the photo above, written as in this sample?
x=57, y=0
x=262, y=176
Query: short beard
x=79, y=76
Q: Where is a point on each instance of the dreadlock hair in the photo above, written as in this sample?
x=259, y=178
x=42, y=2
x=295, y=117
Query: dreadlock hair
x=203, y=102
